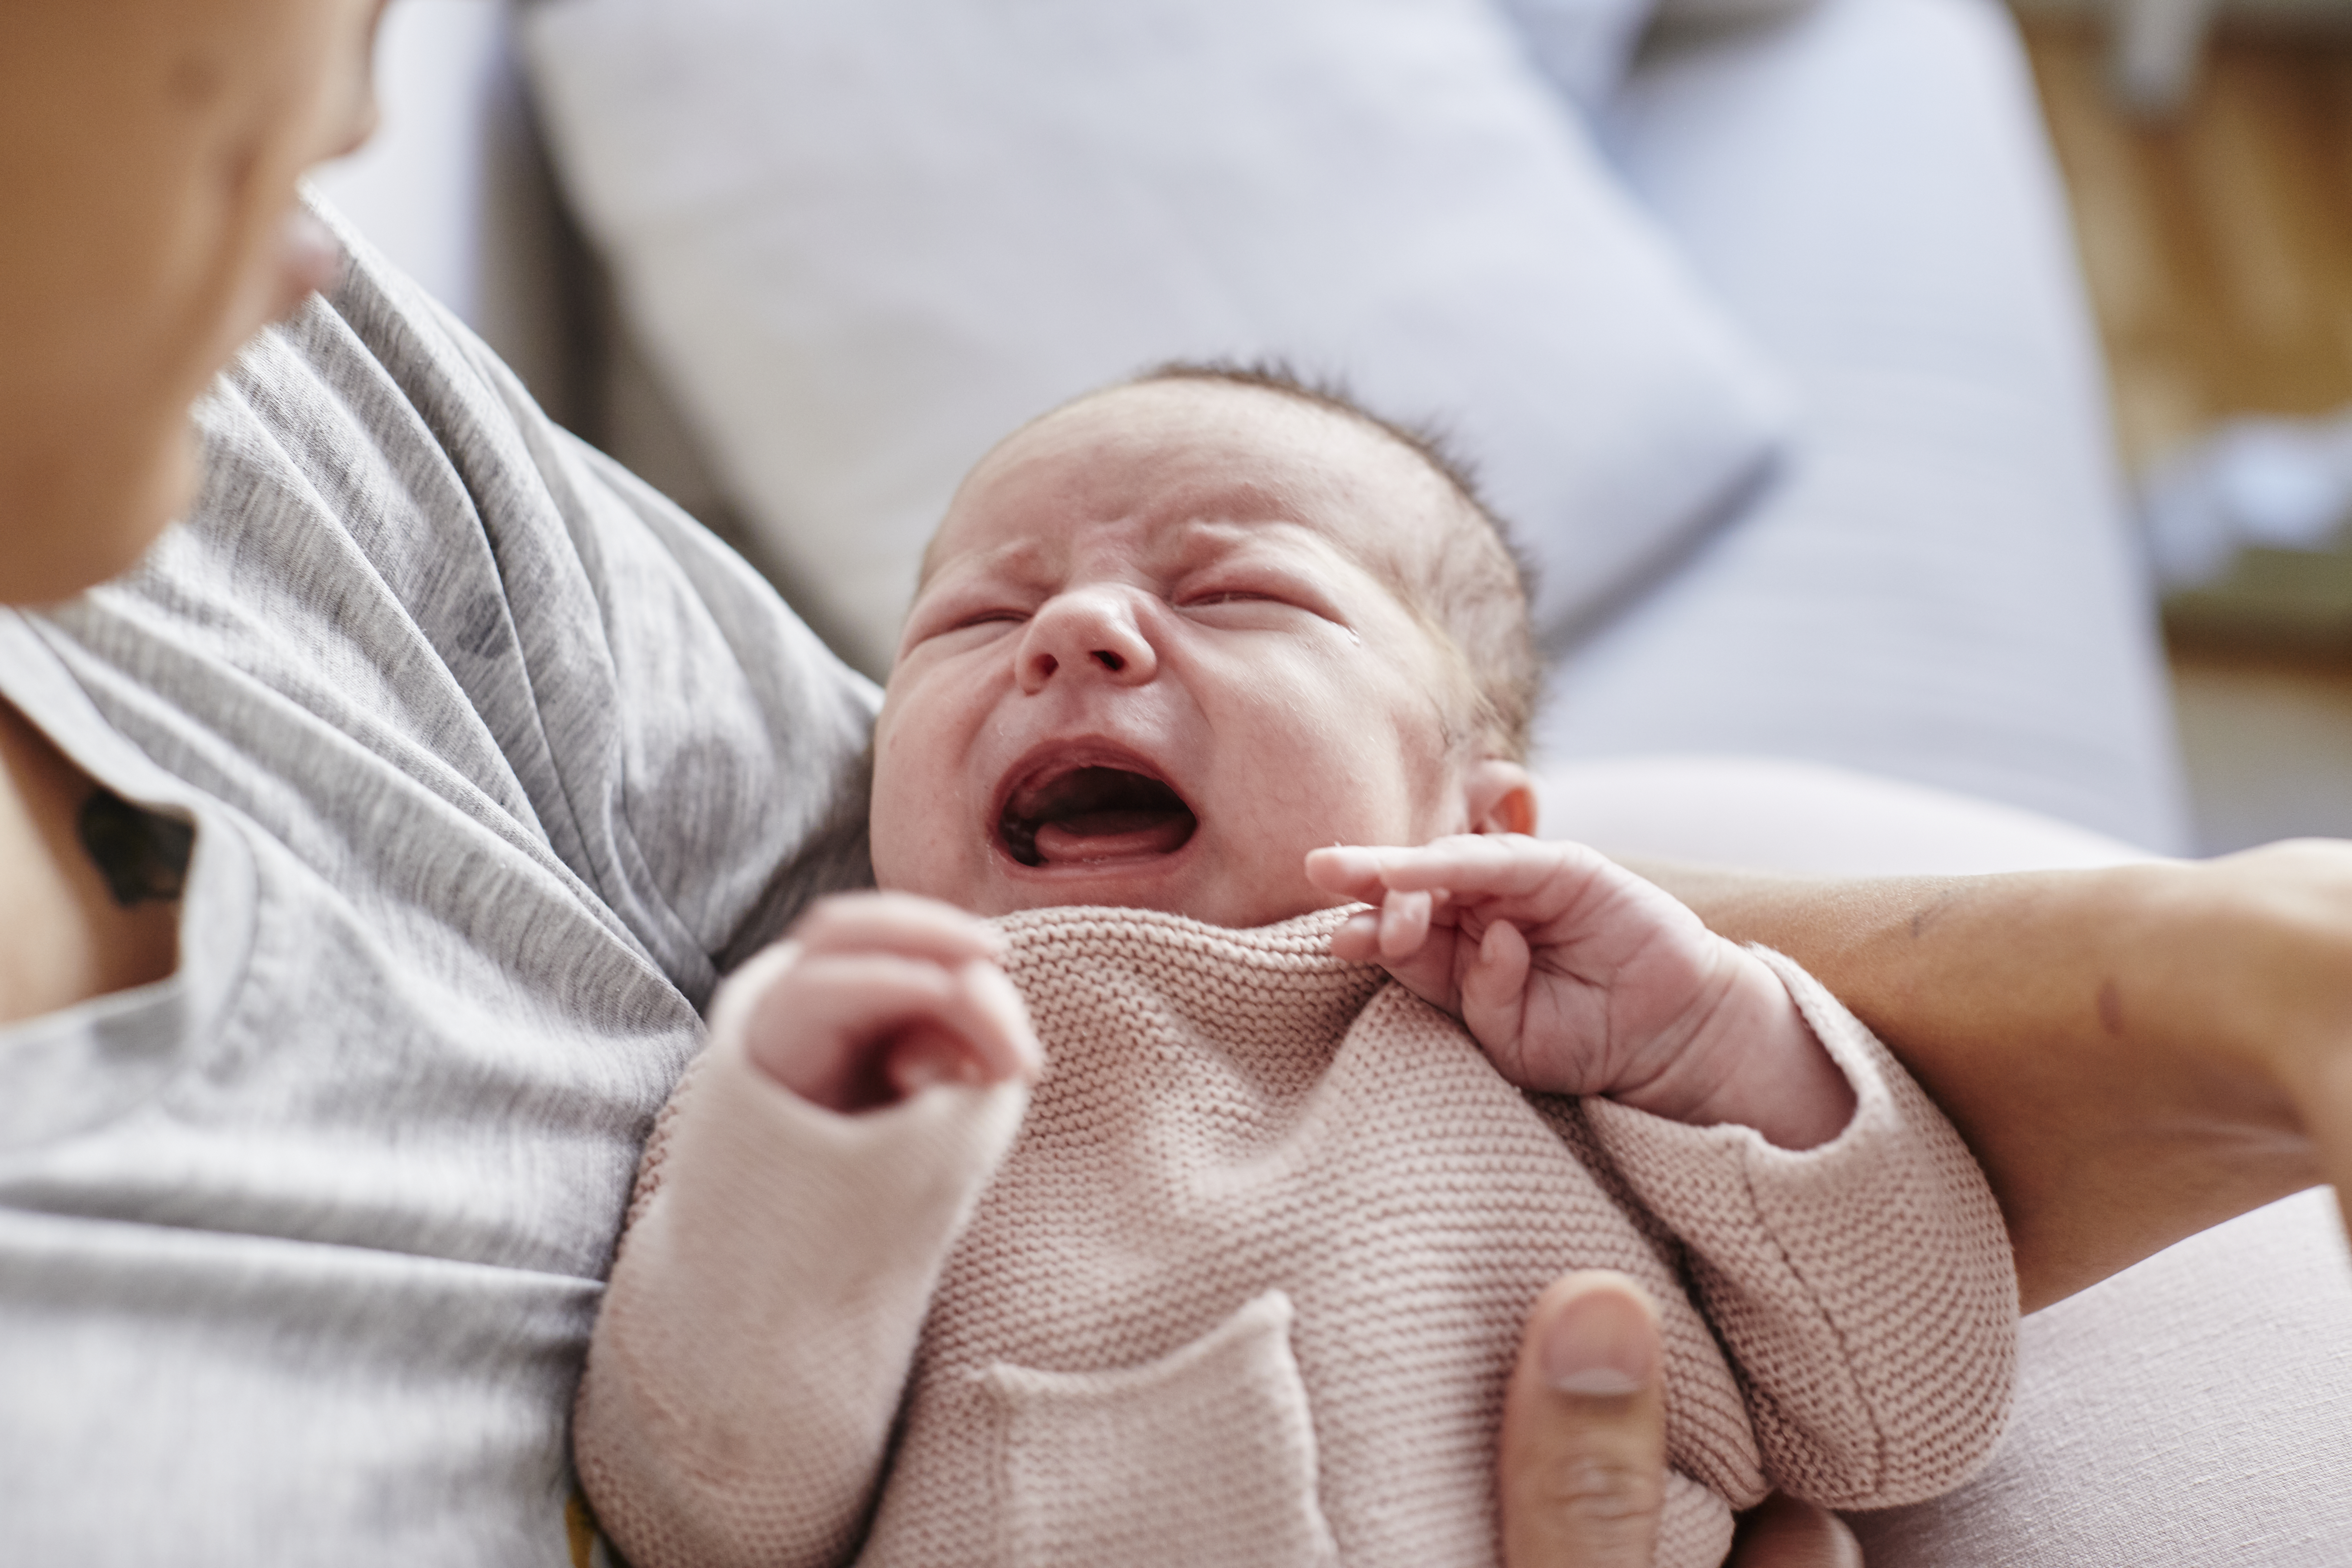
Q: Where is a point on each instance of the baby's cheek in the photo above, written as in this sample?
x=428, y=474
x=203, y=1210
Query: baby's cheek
x=906, y=849
x=952, y=881
x=1403, y=788
x=912, y=858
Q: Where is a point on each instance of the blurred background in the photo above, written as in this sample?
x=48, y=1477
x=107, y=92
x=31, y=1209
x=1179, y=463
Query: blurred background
x=2214, y=216
x=1826, y=468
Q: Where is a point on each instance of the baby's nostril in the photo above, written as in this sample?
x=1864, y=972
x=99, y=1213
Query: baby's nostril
x=1110, y=661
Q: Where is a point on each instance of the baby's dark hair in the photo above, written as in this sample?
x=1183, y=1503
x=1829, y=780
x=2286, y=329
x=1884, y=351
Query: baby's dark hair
x=1470, y=586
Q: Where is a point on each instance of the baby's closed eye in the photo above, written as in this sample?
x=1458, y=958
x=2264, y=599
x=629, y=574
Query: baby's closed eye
x=1258, y=602
x=964, y=622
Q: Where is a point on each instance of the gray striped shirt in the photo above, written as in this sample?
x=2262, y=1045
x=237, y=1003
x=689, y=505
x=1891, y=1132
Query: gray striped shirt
x=495, y=760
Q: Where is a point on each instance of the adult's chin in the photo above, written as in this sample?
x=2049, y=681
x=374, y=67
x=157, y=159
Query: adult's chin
x=79, y=518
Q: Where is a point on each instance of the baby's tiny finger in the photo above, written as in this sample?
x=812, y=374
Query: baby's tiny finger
x=980, y=1036
x=926, y=1055
x=1493, y=992
x=1349, y=868
x=815, y=1027
x=903, y=923
x=1403, y=925
x=1486, y=864
x=1358, y=941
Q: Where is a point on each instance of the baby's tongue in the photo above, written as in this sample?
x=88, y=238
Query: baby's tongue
x=1110, y=836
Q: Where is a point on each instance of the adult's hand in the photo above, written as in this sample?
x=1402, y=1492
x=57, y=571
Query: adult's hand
x=1584, y=1450
x=2133, y=1053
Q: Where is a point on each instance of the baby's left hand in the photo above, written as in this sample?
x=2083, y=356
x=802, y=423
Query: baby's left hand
x=1578, y=977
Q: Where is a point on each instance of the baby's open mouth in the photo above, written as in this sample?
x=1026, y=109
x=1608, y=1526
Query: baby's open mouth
x=1094, y=814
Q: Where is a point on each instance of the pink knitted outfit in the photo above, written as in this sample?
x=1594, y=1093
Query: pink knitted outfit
x=1247, y=1286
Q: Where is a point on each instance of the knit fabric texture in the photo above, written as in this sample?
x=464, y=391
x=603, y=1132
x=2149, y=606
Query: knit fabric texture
x=1249, y=1282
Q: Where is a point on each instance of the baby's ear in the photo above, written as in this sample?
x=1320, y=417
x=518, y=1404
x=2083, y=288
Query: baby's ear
x=1501, y=797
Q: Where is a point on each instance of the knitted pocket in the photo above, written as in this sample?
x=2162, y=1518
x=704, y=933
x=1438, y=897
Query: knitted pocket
x=1206, y=1455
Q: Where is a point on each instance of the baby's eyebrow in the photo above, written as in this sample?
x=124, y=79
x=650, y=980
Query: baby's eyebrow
x=1236, y=533
x=1212, y=527
x=1013, y=555
x=1224, y=528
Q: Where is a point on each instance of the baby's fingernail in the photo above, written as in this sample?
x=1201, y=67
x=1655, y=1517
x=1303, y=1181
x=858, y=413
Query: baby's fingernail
x=1358, y=938
x=914, y=1074
x=922, y=1064
x=1404, y=920
x=1602, y=1344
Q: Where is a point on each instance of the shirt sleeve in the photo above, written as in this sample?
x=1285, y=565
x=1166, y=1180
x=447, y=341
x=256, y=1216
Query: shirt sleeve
x=477, y=595
x=753, y=1344
x=1864, y=1288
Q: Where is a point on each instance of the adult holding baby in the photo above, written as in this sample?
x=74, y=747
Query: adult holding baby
x=317, y=1119
x=300, y=1213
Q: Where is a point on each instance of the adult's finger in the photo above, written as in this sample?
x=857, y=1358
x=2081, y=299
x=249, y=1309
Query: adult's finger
x=1584, y=1432
x=1786, y=1533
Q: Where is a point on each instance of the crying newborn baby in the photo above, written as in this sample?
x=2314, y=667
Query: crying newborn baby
x=1160, y=1167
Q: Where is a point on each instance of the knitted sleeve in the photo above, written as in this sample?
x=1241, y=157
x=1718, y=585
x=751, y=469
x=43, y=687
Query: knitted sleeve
x=1864, y=1288
x=750, y=1355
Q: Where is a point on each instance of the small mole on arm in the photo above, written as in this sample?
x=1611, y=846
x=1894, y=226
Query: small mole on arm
x=2111, y=1008
x=1922, y=919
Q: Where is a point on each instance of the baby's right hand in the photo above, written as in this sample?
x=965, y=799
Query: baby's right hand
x=873, y=996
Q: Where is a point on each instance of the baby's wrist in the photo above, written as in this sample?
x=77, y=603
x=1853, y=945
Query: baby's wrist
x=1754, y=1061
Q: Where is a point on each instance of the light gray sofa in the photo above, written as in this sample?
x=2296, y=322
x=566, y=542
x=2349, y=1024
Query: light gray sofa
x=1936, y=587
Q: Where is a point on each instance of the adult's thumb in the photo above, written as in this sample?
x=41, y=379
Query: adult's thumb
x=1584, y=1433
x=1786, y=1533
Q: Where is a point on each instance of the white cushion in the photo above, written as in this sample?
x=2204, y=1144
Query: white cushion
x=2192, y=1410
x=1674, y=15
x=1799, y=819
x=862, y=239
x=1582, y=44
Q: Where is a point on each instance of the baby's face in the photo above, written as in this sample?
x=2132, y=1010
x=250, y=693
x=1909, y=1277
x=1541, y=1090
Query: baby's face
x=1153, y=663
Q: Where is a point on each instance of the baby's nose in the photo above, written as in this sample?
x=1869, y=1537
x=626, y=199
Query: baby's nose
x=1085, y=632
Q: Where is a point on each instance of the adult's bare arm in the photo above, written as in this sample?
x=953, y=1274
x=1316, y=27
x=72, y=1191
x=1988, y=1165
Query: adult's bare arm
x=2134, y=1053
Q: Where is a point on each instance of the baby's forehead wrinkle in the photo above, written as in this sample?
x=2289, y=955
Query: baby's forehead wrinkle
x=1159, y=539
x=1186, y=543
x=1178, y=500
x=1022, y=558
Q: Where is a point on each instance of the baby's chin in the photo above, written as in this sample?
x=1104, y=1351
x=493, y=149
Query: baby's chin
x=1210, y=900
x=1204, y=876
